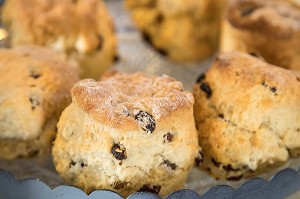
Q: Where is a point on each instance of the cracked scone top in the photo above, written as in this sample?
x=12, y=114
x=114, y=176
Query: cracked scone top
x=248, y=115
x=183, y=30
x=35, y=87
x=81, y=29
x=270, y=28
x=127, y=133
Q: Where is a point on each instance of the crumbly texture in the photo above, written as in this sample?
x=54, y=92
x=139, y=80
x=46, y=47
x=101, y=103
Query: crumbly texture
x=127, y=133
x=247, y=114
x=270, y=28
x=80, y=29
x=34, y=89
x=183, y=30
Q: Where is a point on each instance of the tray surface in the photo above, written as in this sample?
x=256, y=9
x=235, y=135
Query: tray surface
x=283, y=184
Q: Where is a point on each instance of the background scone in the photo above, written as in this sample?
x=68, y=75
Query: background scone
x=128, y=133
x=248, y=115
x=34, y=89
x=184, y=30
x=81, y=29
x=270, y=28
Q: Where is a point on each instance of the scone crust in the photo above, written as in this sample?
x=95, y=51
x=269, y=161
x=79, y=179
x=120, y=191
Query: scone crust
x=35, y=87
x=269, y=28
x=247, y=114
x=83, y=30
x=111, y=101
x=102, y=142
x=275, y=18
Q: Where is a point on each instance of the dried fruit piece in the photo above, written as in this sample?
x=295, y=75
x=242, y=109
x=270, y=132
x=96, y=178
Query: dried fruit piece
x=116, y=58
x=119, y=151
x=248, y=10
x=159, y=18
x=34, y=100
x=169, y=164
x=145, y=121
x=72, y=163
x=254, y=54
x=273, y=89
x=119, y=185
x=235, y=178
x=199, y=159
x=150, y=188
x=168, y=137
x=201, y=77
x=162, y=52
x=229, y=168
x=147, y=37
x=34, y=74
x=83, y=164
x=221, y=115
x=215, y=162
x=206, y=88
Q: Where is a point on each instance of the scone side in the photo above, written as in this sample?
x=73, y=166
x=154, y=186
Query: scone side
x=233, y=142
x=94, y=64
x=86, y=36
x=182, y=30
x=35, y=90
x=154, y=165
x=40, y=146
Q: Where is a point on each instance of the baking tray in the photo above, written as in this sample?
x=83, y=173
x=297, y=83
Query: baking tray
x=283, y=184
x=137, y=55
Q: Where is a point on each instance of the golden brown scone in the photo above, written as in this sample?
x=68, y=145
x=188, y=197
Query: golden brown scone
x=81, y=29
x=184, y=30
x=247, y=114
x=127, y=133
x=34, y=89
x=270, y=28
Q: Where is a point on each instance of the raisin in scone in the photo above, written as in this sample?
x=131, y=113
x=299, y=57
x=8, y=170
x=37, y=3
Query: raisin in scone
x=35, y=87
x=127, y=133
x=270, y=28
x=184, y=30
x=247, y=114
x=80, y=29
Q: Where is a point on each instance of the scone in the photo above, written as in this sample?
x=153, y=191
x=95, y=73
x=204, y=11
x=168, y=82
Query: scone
x=247, y=114
x=80, y=29
x=184, y=30
x=34, y=90
x=270, y=28
x=127, y=133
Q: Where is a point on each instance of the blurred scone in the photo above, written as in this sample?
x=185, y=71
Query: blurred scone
x=34, y=89
x=184, y=30
x=270, y=28
x=81, y=29
x=127, y=133
x=247, y=114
